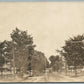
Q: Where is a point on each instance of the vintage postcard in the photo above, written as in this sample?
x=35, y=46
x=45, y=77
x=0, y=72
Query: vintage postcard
x=42, y=41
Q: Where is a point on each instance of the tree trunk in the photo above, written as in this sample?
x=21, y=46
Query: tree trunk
x=1, y=73
x=66, y=70
x=75, y=69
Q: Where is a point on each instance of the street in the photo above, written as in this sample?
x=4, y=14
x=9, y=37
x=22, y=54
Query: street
x=49, y=77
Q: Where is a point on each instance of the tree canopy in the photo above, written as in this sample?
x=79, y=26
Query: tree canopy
x=22, y=47
x=56, y=62
x=73, y=51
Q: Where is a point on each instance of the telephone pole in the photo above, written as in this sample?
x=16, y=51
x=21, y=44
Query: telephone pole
x=13, y=59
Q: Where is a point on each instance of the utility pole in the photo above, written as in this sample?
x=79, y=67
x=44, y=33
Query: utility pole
x=31, y=53
x=66, y=68
x=13, y=60
x=30, y=59
x=29, y=65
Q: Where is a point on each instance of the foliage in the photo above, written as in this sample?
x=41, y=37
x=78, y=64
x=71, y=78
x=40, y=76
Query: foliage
x=73, y=51
x=21, y=37
x=23, y=48
x=56, y=63
x=2, y=57
x=39, y=61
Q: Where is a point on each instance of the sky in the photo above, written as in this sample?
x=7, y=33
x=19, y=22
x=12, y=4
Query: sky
x=50, y=23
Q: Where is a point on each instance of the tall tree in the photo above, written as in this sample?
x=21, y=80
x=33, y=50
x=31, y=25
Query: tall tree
x=23, y=48
x=39, y=62
x=2, y=57
x=73, y=52
x=56, y=62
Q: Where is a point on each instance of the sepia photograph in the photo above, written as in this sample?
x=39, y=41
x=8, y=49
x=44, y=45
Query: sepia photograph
x=42, y=41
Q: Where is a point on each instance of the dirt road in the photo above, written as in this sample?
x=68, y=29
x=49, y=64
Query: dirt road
x=50, y=77
x=59, y=77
